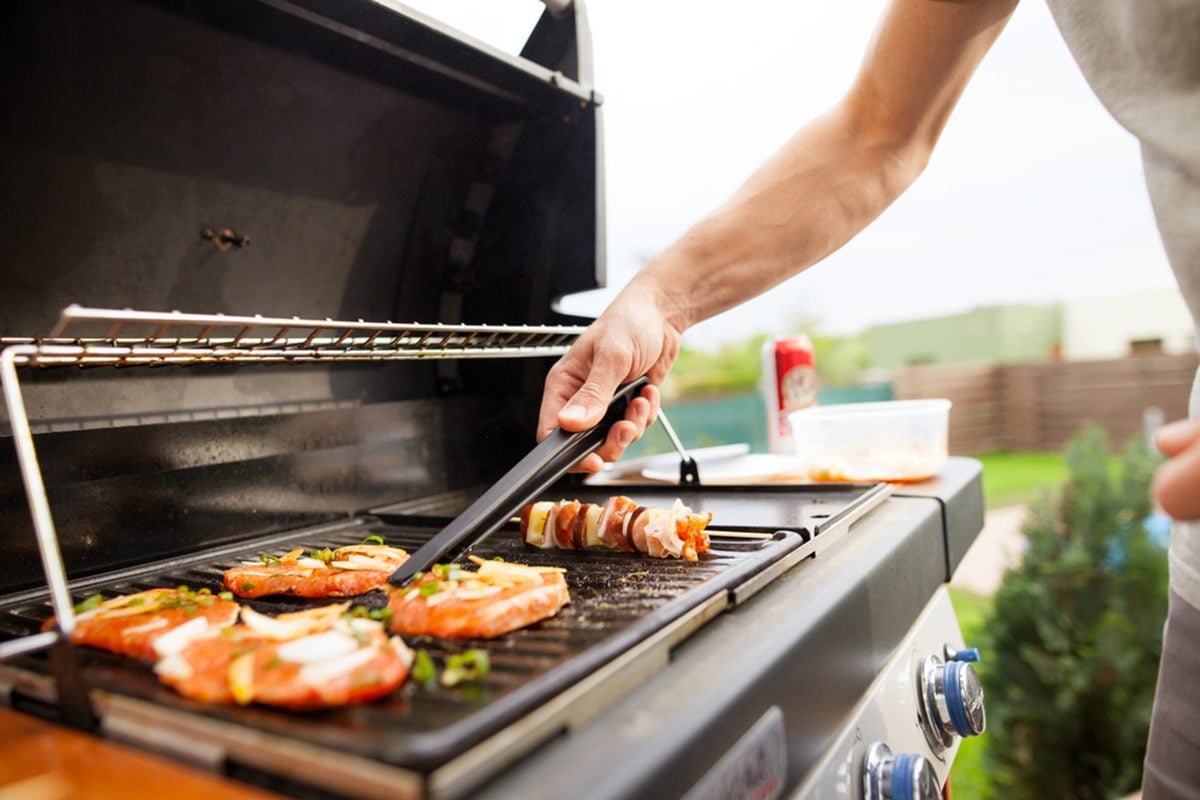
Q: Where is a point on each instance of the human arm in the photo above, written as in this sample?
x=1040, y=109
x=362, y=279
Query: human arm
x=828, y=182
x=1176, y=486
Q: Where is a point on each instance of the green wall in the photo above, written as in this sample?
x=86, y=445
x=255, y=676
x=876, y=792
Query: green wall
x=996, y=334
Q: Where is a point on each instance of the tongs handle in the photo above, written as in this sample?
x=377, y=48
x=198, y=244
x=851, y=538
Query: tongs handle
x=532, y=475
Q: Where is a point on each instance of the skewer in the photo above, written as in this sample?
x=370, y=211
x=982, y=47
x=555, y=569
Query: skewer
x=709, y=531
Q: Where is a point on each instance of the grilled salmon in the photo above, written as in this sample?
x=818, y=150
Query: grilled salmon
x=153, y=623
x=492, y=600
x=344, y=572
x=319, y=658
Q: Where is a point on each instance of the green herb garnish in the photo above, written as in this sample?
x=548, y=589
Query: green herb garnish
x=225, y=596
x=423, y=670
x=373, y=539
x=268, y=558
x=469, y=665
x=89, y=604
x=325, y=555
x=447, y=572
x=247, y=586
x=384, y=615
x=431, y=588
x=498, y=558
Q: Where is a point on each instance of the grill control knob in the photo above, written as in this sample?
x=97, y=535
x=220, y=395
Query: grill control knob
x=951, y=699
x=905, y=776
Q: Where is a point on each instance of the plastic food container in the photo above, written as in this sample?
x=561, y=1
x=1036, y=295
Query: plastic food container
x=897, y=440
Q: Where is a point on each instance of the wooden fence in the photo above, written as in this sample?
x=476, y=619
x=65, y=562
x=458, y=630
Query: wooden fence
x=1041, y=406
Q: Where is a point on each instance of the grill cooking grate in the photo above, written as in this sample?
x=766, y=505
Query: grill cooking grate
x=617, y=601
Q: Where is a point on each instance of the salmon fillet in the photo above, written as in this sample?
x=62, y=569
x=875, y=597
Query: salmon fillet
x=344, y=572
x=319, y=658
x=485, y=603
x=143, y=624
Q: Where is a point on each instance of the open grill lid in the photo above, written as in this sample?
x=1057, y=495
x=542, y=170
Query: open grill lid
x=312, y=157
x=320, y=158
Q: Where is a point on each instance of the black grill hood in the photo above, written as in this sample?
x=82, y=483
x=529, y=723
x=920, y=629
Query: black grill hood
x=381, y=165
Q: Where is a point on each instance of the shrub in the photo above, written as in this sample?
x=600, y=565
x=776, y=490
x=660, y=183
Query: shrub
x=1076, y=633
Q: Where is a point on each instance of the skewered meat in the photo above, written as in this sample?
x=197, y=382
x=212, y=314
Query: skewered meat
x=620, y=524
x=344, y=572
x=306, y=660
x=492, y=600
x=148, y=624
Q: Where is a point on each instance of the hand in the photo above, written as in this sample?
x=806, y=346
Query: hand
x=1177, y=483
x=633, y=337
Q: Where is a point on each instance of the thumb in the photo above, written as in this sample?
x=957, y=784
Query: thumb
x=586, y=407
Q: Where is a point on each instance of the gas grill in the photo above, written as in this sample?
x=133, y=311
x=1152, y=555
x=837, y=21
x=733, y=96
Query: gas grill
x=304, y=172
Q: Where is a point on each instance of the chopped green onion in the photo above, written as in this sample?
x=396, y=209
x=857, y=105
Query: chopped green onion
x=384, y=615
x=268, y=558
x=247, y=586
x=469, y=665
x=373, y=539
x=89, y=604
x=498, y=558
x=225, y=596
x=430, y=588
x=325, y=555
x=423, y=670
x=448, y=572
x=190, y=611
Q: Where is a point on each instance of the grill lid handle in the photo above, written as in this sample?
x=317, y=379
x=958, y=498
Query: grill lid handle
x=531, y=476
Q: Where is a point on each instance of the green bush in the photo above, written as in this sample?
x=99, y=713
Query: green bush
x=1075, y=635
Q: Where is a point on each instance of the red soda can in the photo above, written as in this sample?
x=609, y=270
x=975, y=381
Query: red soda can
x=789, y=383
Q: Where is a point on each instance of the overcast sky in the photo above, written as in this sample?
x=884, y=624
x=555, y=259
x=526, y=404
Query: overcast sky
x=1034, y=194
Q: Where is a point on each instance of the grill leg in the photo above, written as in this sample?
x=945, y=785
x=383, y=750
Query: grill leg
x=73, y=702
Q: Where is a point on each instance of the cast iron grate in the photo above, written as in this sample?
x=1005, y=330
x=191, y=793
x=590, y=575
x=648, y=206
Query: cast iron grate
x=618, y=600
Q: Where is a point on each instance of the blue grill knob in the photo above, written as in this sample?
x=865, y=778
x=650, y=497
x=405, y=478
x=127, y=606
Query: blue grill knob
x=905, y=776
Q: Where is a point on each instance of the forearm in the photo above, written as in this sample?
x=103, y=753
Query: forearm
x=839, y=172
x=824, y=186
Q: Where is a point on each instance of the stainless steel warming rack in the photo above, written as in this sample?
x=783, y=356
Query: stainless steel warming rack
x=94, y=337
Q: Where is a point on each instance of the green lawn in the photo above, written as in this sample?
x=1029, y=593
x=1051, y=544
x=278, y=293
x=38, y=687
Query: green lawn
x=1009, y=478
x=1016, y=478
x=967, y=773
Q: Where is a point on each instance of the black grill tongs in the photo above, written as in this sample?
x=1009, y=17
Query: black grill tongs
x=532, y=475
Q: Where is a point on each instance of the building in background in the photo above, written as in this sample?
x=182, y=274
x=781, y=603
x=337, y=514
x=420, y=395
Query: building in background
x=1144, y=323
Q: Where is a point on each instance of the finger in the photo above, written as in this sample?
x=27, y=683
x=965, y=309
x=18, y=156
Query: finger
x=562, y=381
x=654, y=397
x=1176, y=486
x=1173, y=438
x=586, y=407
x=639, y=414
x=622, y=434
x=590, y=463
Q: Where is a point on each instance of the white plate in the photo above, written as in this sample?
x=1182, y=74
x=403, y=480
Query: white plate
x=732, y=467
